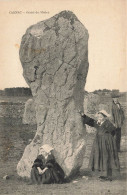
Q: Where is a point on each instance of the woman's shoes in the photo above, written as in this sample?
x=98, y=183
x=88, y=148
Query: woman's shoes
x=102, y=178
x=29, y=183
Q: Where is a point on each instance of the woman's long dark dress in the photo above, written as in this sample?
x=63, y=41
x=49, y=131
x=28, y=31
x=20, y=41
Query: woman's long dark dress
x=104, y=159
x=54, y=173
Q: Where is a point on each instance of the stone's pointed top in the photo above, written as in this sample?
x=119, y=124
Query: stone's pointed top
x=66, y=14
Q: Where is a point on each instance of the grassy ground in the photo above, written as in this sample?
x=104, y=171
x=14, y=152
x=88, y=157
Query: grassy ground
x=14, y=136
x=16, y=99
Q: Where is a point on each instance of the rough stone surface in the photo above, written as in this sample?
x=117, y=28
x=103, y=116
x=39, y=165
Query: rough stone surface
x=29, y=116
x=54, y=56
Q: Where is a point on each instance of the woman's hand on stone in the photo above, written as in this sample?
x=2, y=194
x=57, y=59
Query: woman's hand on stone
x=81, y=112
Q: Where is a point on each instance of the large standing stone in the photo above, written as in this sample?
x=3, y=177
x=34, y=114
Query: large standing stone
x=54, y=56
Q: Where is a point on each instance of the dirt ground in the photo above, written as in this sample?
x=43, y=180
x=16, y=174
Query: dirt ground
x=14, y=136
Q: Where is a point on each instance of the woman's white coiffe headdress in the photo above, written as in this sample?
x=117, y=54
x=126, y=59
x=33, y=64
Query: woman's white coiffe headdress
x=47, y=148
x=104, y=113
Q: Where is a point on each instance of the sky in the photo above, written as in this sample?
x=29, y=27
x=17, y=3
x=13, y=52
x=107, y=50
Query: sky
x=105, y=21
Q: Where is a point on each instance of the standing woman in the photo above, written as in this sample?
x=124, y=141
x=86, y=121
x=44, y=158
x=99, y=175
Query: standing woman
x=104, y=159
x=45, y=169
